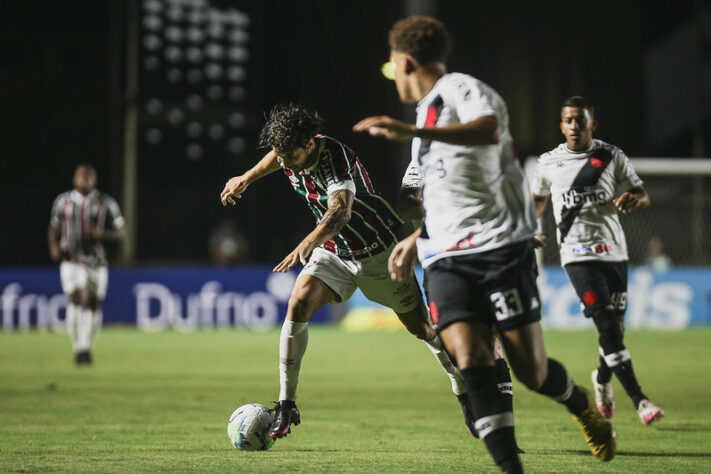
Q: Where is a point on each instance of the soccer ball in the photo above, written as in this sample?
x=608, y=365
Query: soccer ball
x=248, y=427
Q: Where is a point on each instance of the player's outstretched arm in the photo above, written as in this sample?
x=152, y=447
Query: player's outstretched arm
x=237, y=185
x=635, y=198
x=481, y=131
x=335, y=218
x=401, y=263
x=388, y=127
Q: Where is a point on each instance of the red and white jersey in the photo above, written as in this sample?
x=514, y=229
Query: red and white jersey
x=373, y=221
x=476, y=198
x=582, y=185
x=73, y=213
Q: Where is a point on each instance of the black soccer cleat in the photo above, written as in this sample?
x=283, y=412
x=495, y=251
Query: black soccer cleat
x=83, y=358
x=285, y=415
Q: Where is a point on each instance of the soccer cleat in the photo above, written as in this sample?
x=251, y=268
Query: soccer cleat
x=597, y=430
x=468, y=415
x=285, y=414
x=649, y=412
x=604, y=399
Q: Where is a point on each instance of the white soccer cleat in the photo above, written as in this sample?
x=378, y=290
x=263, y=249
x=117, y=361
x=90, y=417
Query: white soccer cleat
x=604, y=399
x=649, y=412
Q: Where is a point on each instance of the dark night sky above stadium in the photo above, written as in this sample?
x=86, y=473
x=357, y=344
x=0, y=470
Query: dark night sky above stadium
x=63, y=90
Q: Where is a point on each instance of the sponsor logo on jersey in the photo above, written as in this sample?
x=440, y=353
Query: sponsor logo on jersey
x=462, y=244
x=573, y=198
x=597, y=249
x=325, y=167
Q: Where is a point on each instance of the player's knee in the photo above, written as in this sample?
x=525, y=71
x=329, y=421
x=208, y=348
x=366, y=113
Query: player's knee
x=93, y=302
x=300, y=307
x=75, y=297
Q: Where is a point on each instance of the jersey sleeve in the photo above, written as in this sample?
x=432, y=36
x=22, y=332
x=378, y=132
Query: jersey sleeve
x=625, y=175
x=338, y=168
x=114, y=218
x=412, y=178
x=472, y=101
x=541, y=185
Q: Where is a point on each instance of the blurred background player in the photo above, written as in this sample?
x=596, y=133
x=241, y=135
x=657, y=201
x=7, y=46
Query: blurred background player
x=348, y=249
x=476, y=243
x=82, y=220
x=583, y=175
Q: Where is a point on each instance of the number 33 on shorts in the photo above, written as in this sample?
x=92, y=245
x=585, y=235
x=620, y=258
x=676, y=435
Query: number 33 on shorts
x=507, y=304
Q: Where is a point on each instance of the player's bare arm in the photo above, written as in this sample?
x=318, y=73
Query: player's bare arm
x=237, y=185
x=53, y=235
x=106, y=235
x=335, y=218
x=482, y=131
x=540, y=202
x=401, y=262
x=409, y=203
x=635, y=198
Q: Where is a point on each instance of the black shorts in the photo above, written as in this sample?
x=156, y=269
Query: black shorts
x=599, y=285
x=495, y=287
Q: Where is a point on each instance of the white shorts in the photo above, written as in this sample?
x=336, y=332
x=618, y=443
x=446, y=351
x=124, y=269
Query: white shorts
x=370, y=274
x=77, y=276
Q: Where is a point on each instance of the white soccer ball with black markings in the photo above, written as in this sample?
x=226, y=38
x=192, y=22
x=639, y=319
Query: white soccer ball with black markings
x=248, y=427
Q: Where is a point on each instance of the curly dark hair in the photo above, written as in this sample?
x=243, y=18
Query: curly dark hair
x=424, y=38
x=580, y=102
x=289, y=126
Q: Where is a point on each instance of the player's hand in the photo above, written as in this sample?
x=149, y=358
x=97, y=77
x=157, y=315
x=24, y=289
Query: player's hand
x=384, y=126
x=401, y=263
x=55, y=253
x=539, y=241
x=233, y=190
x=627, y=202
x=92, y=233
x=300, y=254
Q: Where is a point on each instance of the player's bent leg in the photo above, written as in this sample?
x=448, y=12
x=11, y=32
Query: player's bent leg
x=471, y=344
x=309, y=295
x=73, y=318
x=524, y=347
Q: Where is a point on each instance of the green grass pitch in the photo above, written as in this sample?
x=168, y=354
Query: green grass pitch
x=370, y=402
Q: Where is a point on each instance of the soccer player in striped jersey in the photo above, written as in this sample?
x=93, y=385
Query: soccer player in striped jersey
x=582, y=176
x=81, y=220
x=476, y=243
x=348, y=249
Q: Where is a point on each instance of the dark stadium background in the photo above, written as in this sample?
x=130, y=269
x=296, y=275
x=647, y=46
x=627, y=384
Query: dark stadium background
x=63, y=70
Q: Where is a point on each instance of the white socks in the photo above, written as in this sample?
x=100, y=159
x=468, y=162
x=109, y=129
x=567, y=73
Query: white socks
x=458, y=385
x=83, y=326
x=72, y=321
x=292, y=345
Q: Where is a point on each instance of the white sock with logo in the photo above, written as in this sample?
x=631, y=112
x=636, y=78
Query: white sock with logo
x=293, y=341
x=436, y=347
x=72, y=322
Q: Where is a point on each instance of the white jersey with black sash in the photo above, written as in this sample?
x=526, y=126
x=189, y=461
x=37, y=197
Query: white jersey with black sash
x=476, y=198
x=582, y=185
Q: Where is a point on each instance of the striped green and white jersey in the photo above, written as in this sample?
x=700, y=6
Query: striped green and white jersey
x=74, y=214
x=373, y=221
